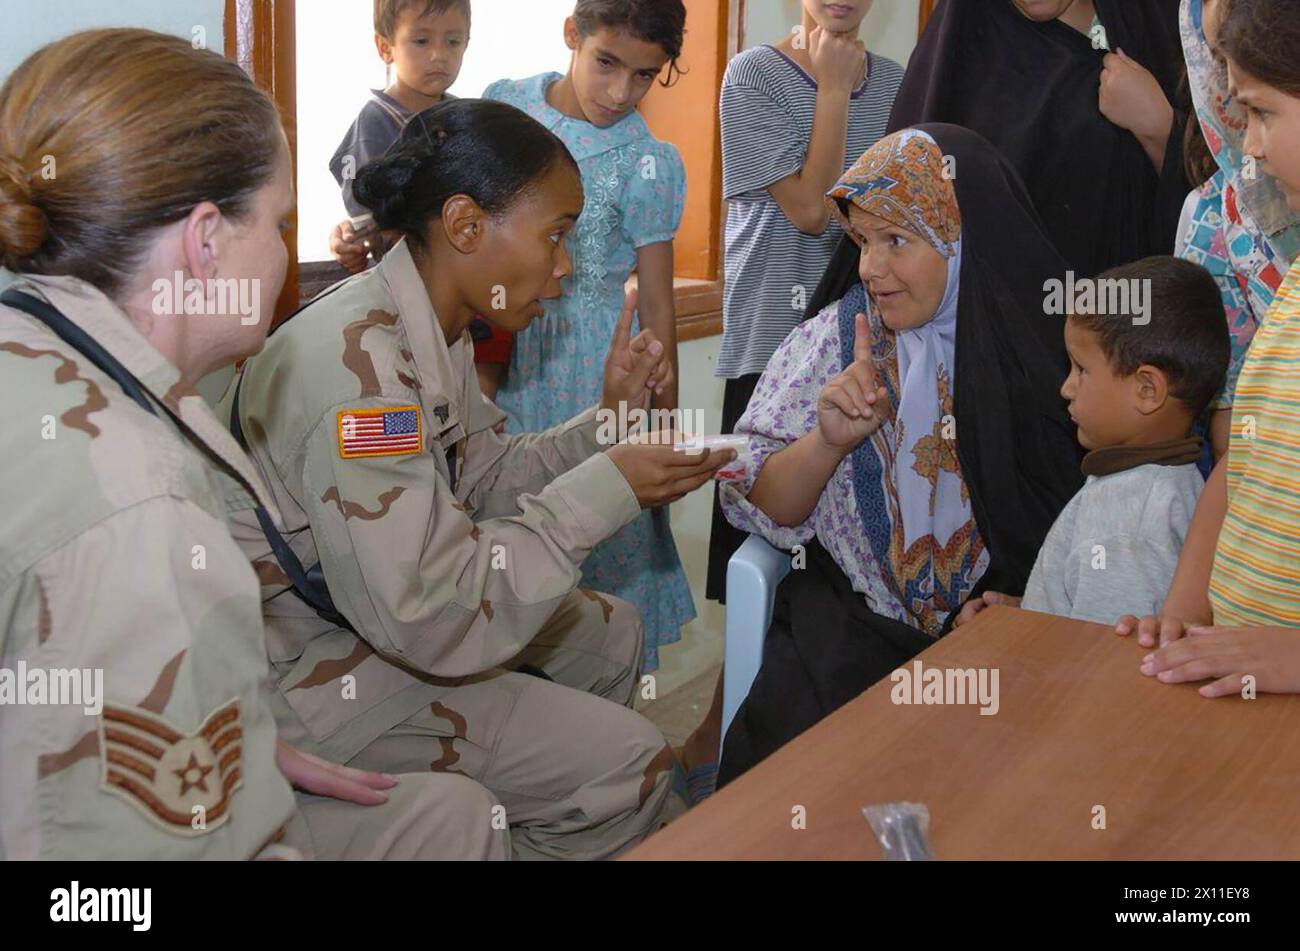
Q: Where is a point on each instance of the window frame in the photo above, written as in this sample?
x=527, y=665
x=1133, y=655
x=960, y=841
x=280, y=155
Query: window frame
x=260, y=37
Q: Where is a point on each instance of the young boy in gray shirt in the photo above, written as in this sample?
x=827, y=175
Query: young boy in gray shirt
x=423, y=43
x=1148, y=346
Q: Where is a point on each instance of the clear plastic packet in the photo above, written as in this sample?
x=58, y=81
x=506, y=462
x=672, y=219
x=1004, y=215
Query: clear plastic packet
x=903, y=829
x=734, y=471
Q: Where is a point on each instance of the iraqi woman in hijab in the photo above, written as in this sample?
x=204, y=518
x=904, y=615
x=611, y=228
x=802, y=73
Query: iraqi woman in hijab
x=909, y=442
x=1077, y=95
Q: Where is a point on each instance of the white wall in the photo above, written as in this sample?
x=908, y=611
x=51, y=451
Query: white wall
x=30, y=24
x=692, y=519
x=890, y=29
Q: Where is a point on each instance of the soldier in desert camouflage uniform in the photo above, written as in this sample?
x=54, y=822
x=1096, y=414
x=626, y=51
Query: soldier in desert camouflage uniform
x=115, y=549
x=452, y=551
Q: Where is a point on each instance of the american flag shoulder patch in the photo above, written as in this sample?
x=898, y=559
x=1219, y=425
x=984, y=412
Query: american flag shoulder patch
x=393, y=431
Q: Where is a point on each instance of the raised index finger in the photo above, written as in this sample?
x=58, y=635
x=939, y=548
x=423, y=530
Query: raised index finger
x=623, y=329
x=861, y=338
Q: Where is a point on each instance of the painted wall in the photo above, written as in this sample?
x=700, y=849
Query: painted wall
x=890, y=29
x=30, y=24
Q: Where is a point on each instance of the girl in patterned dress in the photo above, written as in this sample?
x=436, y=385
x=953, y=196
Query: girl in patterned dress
x=1237, y=225
x=635, y=191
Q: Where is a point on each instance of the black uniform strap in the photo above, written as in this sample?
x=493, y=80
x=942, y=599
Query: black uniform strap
x=309, y=584
x=82, y=342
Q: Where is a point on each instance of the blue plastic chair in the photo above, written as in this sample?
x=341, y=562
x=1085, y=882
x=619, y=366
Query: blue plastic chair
x=752, y=576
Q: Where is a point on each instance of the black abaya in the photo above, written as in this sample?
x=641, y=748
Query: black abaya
x=1031, y=89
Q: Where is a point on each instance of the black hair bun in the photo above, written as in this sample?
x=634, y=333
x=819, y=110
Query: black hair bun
x=488, y=151
x=384, y=185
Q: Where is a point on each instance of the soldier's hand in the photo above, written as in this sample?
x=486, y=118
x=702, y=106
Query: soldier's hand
x=660, y=474
x=314, y=775
x=636, y=366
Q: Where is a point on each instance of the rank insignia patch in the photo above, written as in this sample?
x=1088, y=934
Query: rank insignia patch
x=181, y=782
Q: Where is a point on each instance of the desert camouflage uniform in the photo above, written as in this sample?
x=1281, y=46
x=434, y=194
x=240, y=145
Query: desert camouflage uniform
x=455, y=551
x=115, y=553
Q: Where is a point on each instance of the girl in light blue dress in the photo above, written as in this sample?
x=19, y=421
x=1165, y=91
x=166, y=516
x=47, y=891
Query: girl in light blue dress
x=635, y=191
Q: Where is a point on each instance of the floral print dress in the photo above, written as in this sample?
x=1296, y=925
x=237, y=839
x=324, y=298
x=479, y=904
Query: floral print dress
x=635, y=190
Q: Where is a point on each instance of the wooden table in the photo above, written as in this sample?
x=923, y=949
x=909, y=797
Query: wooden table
x=1179, y=776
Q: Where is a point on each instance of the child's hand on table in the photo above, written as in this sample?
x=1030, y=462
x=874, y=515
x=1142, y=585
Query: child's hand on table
x=1226, y=654
x=975, y=605
x=1163, y=628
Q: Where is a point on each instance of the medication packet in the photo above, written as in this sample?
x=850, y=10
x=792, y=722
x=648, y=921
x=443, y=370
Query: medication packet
x=733, y=471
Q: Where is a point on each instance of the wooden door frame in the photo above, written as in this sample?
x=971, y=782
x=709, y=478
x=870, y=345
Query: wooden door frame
x=698, y=299
x=259, y=35
x=927, y=8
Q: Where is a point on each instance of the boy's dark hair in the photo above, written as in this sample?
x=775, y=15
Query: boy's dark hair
x=387, y=12
x=662, y=22
x=1263, y=38
x=1186, y=337
x=487, y=150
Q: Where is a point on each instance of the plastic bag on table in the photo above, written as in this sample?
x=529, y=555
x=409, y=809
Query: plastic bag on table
x=903, y=829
